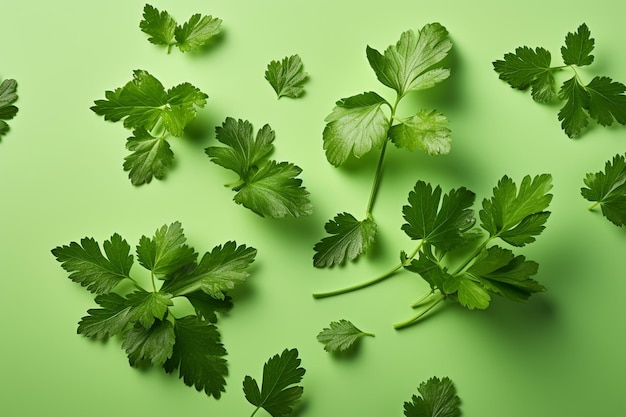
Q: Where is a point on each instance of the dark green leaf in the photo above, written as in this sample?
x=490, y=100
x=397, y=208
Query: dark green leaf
x=207, y=307
x=159, y=25
x=572, y=115
x=196, y=32
x=427, y=131
x=608, y=188
x=112, y=318
x=8, y=96
x=149, y=306
x=607, y=101
x=286, y=76
x=349, y=239
x=528, y=67
x=152, y=345
x=150, y=157
x=166, y=252
x=437, y=399
x=340, y=336
x=578, y=47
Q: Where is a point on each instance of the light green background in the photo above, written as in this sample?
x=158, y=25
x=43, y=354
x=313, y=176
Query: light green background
x=560, y=354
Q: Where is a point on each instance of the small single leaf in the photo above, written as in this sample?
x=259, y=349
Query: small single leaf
x=150, y=157
x=572, y=115
x=437, y=399
x=159, y=25
x=152, y=345
x=608, y=188
x=348, y=239
x=286, y=76
x=578, y=47
x=340, y=336
x=196, y=32
x=112, y=318
x=166, y=252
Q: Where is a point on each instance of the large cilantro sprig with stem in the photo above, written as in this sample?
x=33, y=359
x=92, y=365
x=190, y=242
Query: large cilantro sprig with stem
x=602, y=99
x=142, y=314
x=367, y=121
x=266, y=187
x=445, y=224
x=8, y=96
x=607, y=189
x=153, y=114
x=190, y=36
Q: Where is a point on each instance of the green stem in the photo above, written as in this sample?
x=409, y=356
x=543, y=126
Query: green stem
x=473, y=255
x=379, y=166
x=417, y=317
x=376, y=280
x=594, y=205
x=153, y=281
x=254, y=412
x=421, y=300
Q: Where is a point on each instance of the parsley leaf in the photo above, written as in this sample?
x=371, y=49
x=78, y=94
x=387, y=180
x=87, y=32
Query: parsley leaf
x=286, y=76
x=608, y=189
x=154, y=113
x=8, y=96
x=151, y=333
x=340, y=336
x=267, y=187
x=405, y=65
x=364, y=122
x=348, y=239
x=164, y=31
x=278, y=392
x=437, y=399
x=602, y=99
x=356, y=125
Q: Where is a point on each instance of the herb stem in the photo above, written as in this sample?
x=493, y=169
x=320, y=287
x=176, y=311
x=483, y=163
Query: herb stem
x=473, y=255
x=422, y=300
x=594, y=205
x=254, y=412
x=379, y=166
x=376, y=280
x=417, y=317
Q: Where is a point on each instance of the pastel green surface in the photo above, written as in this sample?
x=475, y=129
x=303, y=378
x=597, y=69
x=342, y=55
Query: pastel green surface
x=61, y=178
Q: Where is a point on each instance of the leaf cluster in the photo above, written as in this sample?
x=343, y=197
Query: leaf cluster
x=278, y=393
x=608, y=190
x=266, y=187
x=602, y=99
x=153, y=114
x=151, y=333
x=192, y=35
x=286, y=76
x=8, y=96
x=364, y=122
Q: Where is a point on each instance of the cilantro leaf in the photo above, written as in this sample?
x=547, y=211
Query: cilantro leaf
x=427, y=131
x=529, y=67
x=286, y=76
x=90, y=268
x=437, y=399
x=517, y=217
x=198, y=355
x=572, y=115
x=608, y=189
x=340, y=336
x=8, y=96
x=404, y=66
x=196, y=32
x=356, y=125
x=149, y=306
x=144, y=102
x=267, y=187
x=166, y=252
x=152, y=345
x=349, y=239
x=578, y=47
x=441, y=225
x=217, y=272
x=469, y=293
x=207, y=307
x=278, y=392
x=112, y=318
x=191, y=36
x=150, y=157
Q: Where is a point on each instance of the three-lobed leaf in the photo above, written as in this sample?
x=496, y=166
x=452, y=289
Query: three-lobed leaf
x=608, y=189
x=166, y=252
x=348, y=239
x=437, y=399
x=340, y=336
x=278, y=393
x=286, y=76
x=578, y=47
x=150, y=157
x=408, y=65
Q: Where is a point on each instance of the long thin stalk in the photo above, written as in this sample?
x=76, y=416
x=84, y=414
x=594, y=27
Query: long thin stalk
x=417, y=317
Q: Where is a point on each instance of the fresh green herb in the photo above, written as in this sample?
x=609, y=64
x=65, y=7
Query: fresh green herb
x=360, y=123
x=602, y=99
x=267, y=187
x=608, y=189
x=278, y=393
x=151, y=333
x=341, y=336
x=8, y=96
x=443, y=225
x=153, y=113
x=437, y=399
x=191, y=36
x=286, y=76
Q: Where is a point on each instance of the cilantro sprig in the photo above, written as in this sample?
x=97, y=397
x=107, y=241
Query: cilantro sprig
x=602, y=99
x=8, y=96
x=266, y=187
x=367, y=121
x=142, y=314
x=278, y=393
x=607, y=189
x=445, y=224
x=287, y=76
x=153, y=114
x=190, y=36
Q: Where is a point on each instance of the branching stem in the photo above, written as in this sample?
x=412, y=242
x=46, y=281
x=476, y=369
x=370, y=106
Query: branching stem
x=436, y=299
